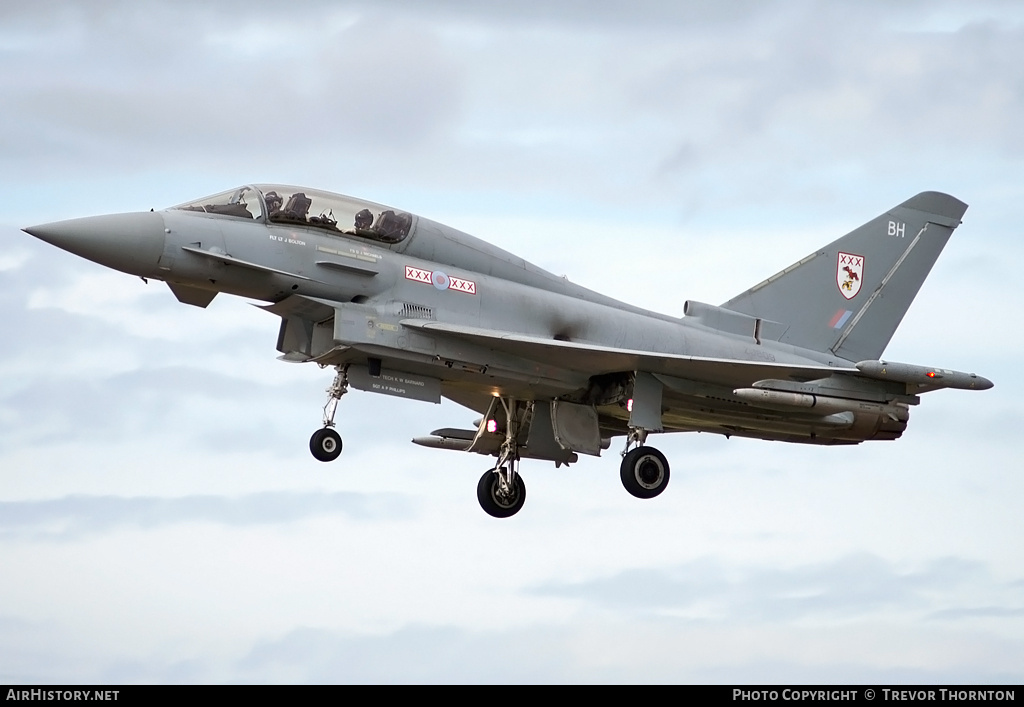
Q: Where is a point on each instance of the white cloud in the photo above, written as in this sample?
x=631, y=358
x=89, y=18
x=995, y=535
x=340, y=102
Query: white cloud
x=14, y=260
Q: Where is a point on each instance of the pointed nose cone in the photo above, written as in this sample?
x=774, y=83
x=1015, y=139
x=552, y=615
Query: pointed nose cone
x=131, y=243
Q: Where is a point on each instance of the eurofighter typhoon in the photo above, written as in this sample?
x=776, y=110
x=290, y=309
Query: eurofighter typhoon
x=401, y=305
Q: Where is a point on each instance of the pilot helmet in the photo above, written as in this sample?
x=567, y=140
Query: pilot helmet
x=273, y=200
x=363, y=219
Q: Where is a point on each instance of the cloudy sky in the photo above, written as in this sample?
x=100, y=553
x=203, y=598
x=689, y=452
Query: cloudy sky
x=161, y=519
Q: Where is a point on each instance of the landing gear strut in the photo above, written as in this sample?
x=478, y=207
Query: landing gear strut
x=644, y=470
x=501, y=490
x=325, y=444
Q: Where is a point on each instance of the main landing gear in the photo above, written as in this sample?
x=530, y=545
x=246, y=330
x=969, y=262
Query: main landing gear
x=644, y=470
x=325, y=444
x=501, y=490
x=502, y=493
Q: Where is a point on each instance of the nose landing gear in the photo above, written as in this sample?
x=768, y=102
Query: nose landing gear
x=325, y=444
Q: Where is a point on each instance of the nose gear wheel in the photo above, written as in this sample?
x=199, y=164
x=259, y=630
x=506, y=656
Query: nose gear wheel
x=325, y=444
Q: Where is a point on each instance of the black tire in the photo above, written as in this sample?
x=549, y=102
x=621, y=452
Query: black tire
x=325, y=444
x=644, y=472
x=493, y=503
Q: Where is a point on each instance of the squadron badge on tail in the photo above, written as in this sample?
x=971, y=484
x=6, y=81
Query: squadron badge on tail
x=849, y=274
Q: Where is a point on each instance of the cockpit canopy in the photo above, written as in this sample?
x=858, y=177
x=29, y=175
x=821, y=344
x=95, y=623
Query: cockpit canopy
x=279, y=204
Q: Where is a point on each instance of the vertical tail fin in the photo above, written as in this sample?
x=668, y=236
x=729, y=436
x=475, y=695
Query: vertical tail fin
x=848, y=297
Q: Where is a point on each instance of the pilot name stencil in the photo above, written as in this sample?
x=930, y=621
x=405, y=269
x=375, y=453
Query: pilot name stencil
x=286, y=239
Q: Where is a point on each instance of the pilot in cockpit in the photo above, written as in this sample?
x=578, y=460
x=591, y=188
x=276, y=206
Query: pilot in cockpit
x=274, y=202
x=363, y=220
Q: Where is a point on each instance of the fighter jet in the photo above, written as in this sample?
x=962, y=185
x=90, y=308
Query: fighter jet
x=401, y=305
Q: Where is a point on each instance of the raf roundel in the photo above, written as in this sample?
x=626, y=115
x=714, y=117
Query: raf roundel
x=439, y=280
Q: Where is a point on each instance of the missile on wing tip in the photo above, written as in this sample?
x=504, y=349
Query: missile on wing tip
x=922, y=375
x=824, y=404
